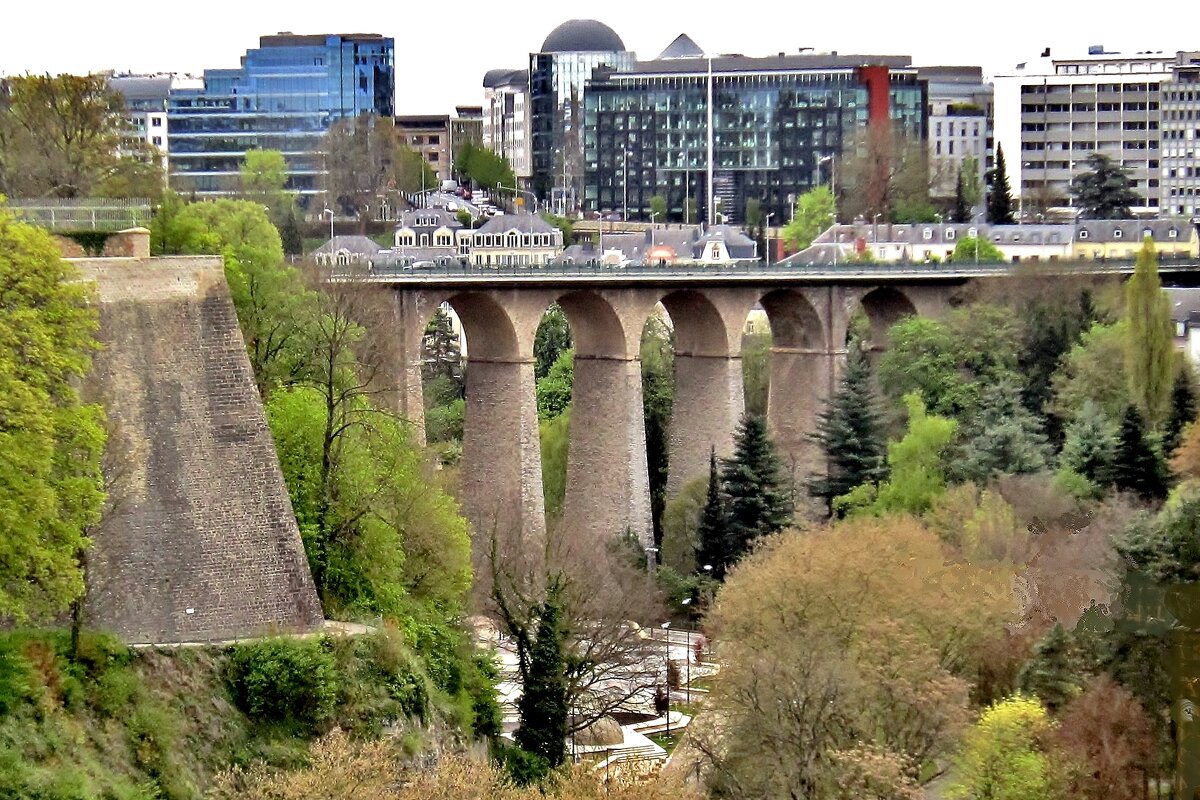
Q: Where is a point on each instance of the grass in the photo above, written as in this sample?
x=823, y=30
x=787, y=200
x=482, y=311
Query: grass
x=664, y=741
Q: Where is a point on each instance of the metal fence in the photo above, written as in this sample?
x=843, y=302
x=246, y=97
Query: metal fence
x=82, y=215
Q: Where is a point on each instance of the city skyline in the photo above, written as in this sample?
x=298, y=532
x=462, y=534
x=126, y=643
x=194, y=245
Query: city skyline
x=436, y=71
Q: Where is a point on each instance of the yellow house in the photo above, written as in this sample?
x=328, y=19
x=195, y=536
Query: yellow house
x=1121, y=239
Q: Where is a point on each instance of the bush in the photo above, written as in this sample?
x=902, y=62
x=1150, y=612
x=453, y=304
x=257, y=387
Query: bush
x=114, y=691
x=14, y=677
x=522, y=766
x=287, y=681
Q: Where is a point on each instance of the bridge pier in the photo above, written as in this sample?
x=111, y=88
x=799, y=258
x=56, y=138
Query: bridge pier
x=801, y=382
x=709, y=402
x=608, y=491
x=502, y=468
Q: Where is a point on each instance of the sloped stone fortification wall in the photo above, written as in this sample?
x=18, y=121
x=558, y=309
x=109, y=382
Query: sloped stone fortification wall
x=202, y=543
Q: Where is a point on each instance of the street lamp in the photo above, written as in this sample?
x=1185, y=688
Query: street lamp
x=666, y=626
x=875, y=234
x=653, y=214
x=329, y=211
x=767, y=237
x=687, y=686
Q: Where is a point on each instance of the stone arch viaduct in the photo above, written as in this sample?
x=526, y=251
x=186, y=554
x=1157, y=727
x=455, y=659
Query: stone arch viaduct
x=607, y=482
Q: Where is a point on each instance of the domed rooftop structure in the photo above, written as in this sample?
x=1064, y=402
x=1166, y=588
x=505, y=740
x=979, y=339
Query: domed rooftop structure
x=502, y=77
x=582, y=36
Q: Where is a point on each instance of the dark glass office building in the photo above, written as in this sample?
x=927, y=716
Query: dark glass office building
x=776, y=122
x=284, y=97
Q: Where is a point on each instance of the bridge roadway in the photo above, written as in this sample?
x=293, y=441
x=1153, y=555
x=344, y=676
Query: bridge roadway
x=809, y=310
x=1184, y=270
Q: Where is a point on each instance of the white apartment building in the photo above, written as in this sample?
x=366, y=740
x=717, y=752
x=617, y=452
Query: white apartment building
x=1140, y=109
x=506, y=125
x=960, y=125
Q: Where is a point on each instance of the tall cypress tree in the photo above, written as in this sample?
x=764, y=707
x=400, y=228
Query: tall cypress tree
x=543, y=703
x=1183, y=408
x=1149, y=360
x=1137, y=467
x=999, y=207
x=290, y=236
x=848, y=431
x=712, y=549
x=756, y=504
x=962, y=206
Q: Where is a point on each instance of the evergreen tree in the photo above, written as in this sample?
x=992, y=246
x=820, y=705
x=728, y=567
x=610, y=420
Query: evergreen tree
x=1003, y=438
x=552, y=338
x=962, y=206
x=1050, y=674
x=1049, y=332
x=543, y=703
x=289, y=234
x=999, y=209
x=712, y=548
x=1090, y=448
x=1183, y=408
x=441, y=360
x=1104, y=190
x=1149, y=359
x=848, y=431
x=756, y=504
x=1137, y=467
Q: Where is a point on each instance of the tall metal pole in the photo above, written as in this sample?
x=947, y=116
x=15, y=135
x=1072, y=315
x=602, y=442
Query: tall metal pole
x=710, y=141
x=625, y=185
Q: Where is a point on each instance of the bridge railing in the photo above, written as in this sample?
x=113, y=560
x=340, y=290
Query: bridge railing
x=747, y=269
x=82, y=215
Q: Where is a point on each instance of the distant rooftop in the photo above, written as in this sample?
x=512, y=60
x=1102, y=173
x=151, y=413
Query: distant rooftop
x=289, y=39
x=682, y=47
x=782, y=62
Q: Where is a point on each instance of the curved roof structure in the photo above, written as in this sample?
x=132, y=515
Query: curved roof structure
x=582, y=36
x=504, y=77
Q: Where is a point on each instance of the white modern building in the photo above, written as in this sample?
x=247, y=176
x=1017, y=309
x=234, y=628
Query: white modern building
x=506, y=126
x=960, y=125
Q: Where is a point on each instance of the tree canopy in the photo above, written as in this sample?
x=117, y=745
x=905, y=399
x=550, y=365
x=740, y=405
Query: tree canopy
x=1104, y=190
x=51, y=442
x=999, y=203
x=814, y=214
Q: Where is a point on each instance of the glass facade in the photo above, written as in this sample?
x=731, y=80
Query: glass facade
x=646, y=133
x=556, y=85
x=284, y=97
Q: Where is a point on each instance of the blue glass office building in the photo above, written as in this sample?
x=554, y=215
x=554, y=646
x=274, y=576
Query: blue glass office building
x=284, y=97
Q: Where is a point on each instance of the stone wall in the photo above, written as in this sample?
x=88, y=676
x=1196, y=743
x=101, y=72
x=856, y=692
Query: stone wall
x=202, y=543
x=132, y=243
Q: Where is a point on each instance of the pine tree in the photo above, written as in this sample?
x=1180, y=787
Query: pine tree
x=1090, y=448
x=543, y=703
x=712, y=549
x=999, y=209
x=1137, y=467
x=1050, y=674
x=962, y=207
x=1149, y=360
x=756, y=504
x=848, y=431
x=1002, y=438
x=1183, y=408
x=1104, y=190
x=290, y=236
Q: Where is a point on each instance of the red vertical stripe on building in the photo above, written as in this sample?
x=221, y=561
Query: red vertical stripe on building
x=878, y=96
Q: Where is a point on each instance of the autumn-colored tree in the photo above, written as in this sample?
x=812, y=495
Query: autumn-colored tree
x=1106, y=731
x=872, y=637
x=884, y=172
x=1186, y=461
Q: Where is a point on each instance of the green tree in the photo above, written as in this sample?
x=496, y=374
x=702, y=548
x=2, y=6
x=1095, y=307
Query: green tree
x=1002, y=438
x=848, y=431
x=756, y=505
x=1052, y=674
x=976, y=249
x=756, y=372
x=138, y=173
x=962, y=206
x=1149, y=360
x=543, y=704
x=1138, y=469
x=915, y=473
x=554, y=390
x=712, y=541
x=51, y=443
x=813, y=215
x=1104, y=190
x=1000, y=204
x=441, y=359
x=681, y=525
x=1051, y=325
x=290, y=236
x=1003, y=756
x=658, y=208
x=264, y=175
x=884, y=171
x=1183, y=406
x=484, y=167
x=59, y=135
x=554, y=440
x=1165, y=547
x=553, y=337
x=657, y=352
x=1090, y=448
x=1094, y=370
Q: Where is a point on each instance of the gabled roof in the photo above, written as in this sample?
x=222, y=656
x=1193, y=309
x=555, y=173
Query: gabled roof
x=1131, y=230
x=351, y=244
x=442, y=217
x=682, y=47
x=503, y=223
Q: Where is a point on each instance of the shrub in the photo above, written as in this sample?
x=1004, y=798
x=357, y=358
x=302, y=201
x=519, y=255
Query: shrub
x=14, y=677
x=114, y=691
x=286, y=681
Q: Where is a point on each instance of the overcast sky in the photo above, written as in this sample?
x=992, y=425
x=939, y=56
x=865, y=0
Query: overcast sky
x=443, y=48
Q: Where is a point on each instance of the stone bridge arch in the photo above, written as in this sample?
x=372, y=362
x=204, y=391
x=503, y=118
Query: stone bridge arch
x=883, y=307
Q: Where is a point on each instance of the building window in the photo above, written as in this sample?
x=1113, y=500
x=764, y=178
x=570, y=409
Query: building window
x=927, y=234
x=156, y=122
x=1083, y=234
x=1172, y=234
x=950, y=234
x=1117, y=233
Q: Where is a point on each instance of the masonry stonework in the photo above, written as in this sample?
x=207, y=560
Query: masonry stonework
x=202, y=543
